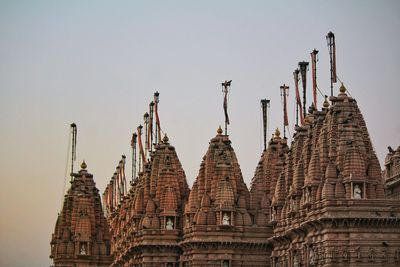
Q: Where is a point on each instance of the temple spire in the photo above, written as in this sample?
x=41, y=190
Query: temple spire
x=225, y=90
x=81, y=236
x=265, y=106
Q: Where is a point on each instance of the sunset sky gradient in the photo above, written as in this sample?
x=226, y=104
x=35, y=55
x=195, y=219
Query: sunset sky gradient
x=98, y=63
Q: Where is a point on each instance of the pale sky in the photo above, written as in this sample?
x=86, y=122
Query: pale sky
x=98, y=63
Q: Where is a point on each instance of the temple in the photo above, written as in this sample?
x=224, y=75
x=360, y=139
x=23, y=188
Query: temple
x=218, y=229
x=147, y=225
x=321, y=200
x=81, y=237
x=329, y=207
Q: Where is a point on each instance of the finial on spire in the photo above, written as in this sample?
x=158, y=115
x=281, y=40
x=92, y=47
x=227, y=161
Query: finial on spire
x=165, y=139
x=326, y=103
x=277, y=133
x=83, y=165
x=342, y=89
x=219, y=130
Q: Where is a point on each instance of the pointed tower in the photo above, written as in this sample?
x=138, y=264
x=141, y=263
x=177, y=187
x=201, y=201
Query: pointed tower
x=219, y=230
x=336, y=195
x=147, y=227
x=265, y=179
x=81, y=236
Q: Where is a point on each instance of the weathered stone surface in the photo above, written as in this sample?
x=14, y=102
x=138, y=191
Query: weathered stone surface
x=335, y=212
x=218, y=229
x=320, y=202
x=147, y=226
x=81, y=236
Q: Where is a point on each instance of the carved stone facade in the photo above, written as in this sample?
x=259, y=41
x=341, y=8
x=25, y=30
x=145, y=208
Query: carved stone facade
x=319, y=202
x=147, y=226
x=265, y=179
x=392, y=173
x=334, y=211
x=81, y=237
x=219, y=229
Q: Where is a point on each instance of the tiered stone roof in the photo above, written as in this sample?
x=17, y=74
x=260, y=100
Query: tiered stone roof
x=218, y=187
x=217, y=214
x=333, y=173
x=320, y=202
x=331, y=156
x=81, y=236
x=266, y=177
x=149, y=219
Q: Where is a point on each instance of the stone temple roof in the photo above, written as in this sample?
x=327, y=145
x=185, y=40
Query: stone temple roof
x=159, y=194
x=219, y=186
x=331, y=155
x=81, y=230
x=268, y=170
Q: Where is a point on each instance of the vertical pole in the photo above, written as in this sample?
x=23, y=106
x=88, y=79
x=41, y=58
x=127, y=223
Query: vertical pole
x=296, y=86
x=112, y=194
x=264, y=115
x=110, y=197
x=330, y=38
x=123, y=174
x=225, y=90
x=133, y=144
x=284, y=93
x=142, y=159
x=73, y=151
x=146, y=139
x=314, y=75
x=151, y=109
x=158, y=129
x=121, y=181
x=264, y=106
x=118, y=185
x=297, y=114
x=303, y=70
